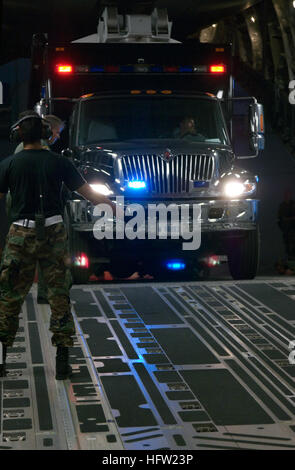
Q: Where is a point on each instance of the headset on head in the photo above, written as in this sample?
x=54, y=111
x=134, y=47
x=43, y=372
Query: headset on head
x=15, y=135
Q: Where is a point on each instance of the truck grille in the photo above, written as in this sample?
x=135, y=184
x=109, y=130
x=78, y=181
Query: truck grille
x=164, y=177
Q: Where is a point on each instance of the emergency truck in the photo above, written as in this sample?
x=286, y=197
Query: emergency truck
x=155, y=121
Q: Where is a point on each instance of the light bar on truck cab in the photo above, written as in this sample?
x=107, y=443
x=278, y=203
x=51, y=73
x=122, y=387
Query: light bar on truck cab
x=141, y=68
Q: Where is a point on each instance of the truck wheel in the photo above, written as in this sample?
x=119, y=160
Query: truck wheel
x=77, y=246
x=243, y=255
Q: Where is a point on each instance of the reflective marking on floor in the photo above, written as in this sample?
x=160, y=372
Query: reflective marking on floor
x=158, y=366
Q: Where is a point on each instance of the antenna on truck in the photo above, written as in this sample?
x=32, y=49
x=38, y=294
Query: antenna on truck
x=136, y=27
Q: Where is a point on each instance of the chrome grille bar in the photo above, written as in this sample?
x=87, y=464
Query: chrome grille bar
x=170, y=177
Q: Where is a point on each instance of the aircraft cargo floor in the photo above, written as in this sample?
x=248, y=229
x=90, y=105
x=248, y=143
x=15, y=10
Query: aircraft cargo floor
x=181, y=366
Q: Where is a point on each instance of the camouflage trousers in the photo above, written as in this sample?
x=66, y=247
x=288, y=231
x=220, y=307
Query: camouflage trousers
x=22, y=252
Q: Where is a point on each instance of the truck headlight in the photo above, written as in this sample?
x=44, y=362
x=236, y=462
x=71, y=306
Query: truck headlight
x=102, y=189
x=236, y=188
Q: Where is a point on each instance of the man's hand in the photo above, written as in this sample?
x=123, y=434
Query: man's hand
x=94, y=197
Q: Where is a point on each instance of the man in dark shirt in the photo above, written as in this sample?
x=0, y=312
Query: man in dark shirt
x=57, y=126
x=32, y=176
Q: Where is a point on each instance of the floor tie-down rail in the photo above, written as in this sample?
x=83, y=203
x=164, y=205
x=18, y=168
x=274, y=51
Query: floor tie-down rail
x=182, y=366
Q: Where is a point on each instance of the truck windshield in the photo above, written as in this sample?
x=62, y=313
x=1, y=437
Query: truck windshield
x=194, y=119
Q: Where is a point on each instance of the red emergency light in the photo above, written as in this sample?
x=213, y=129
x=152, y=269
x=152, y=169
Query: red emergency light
x=112, y=68
x=82, y=261
x=170, y=68
x=64, y=69
x=217, y=68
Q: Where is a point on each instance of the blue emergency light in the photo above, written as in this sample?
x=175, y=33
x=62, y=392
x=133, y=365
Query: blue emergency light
x=156, y=68
x=97, y=68
x=176, y=265
x=127, y=68
x=186, y=68
x=136, y=184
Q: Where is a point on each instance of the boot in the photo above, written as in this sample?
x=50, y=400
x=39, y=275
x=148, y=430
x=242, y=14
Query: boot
x=3, y=365
x=63, y=369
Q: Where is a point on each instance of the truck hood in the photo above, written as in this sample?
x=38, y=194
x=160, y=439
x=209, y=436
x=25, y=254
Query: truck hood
x=152, y=146
x=102, y=157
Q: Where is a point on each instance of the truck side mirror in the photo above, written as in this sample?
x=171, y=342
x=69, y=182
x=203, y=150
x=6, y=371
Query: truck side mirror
x=247, y=127
x=256, y=124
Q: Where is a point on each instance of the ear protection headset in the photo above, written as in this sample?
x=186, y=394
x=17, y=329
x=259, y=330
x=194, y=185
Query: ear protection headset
x=15, y=135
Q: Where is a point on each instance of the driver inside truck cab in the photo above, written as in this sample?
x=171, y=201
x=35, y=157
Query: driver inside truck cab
x=187, y=130
x=187, y=126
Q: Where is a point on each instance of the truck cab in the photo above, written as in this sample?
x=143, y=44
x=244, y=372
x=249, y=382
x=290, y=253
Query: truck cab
x=154, y=123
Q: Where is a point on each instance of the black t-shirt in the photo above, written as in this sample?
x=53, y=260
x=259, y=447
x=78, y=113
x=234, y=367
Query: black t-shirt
x=25, y=172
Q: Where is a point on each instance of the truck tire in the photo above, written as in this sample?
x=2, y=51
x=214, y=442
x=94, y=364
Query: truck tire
x=243, y=255
x=77, y=245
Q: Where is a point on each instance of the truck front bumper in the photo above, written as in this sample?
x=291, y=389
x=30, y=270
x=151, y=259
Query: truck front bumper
x=217, y=215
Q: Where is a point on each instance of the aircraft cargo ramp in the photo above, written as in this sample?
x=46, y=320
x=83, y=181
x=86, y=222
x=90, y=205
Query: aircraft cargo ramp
x=180, y=366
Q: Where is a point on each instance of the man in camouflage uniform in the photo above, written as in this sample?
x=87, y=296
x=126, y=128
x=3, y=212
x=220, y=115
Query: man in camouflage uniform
x=57, y=126
x=33, y=175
